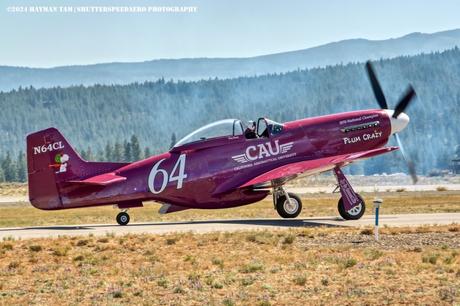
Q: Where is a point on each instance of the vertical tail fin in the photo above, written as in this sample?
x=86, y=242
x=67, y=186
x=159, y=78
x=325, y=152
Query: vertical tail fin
x=51, y=161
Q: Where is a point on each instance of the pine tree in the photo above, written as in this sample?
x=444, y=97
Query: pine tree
x=100, y=155
x=21, y=167
x=118, y=153
x=173, y=140
x=127, y=151
x=83, y=155
x=89, y=154
x=109, y=152
x=2, y=175
x=135, y=149
x=9, y=168
x=147, y=152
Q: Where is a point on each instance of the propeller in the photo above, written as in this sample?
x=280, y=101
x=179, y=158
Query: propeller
x=400, y=108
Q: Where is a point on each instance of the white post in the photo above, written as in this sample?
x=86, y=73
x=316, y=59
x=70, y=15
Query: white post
x=377, y=203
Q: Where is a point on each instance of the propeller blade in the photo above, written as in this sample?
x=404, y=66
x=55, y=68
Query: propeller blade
x=404, y=102
x=378, y=93
x=410, y=164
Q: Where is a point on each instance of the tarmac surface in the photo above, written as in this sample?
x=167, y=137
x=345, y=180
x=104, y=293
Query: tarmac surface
x=207, y=226
x=311, y=190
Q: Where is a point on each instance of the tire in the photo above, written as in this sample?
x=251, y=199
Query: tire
x=356, y=214
x=285, y=210
x=123, y=218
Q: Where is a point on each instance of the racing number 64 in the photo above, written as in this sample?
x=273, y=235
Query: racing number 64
x=179, y=167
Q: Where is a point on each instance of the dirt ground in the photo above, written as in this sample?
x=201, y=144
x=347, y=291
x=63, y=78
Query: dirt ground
x=315, y=266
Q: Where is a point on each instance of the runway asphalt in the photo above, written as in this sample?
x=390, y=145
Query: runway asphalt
x=207, y=226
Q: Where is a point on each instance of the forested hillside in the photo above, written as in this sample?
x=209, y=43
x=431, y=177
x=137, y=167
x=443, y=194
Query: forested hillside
x=345, y=51
x=92, y=116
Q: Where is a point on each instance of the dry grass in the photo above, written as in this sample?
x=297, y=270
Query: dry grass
x=314, y=205
x=13, y=189
x=305, y=266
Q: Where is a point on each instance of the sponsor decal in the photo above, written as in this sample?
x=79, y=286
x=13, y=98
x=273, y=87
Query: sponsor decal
x=60, y=163
x=262, y=150
x=263, y=153
x=364, y=137
x=48, y=147
x=358, y=119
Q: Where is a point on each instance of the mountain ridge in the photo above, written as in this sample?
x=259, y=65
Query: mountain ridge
x=192, y=69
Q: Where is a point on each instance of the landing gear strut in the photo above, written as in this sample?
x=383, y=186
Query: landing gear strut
x=123, y=218
x=351, y=205
x=288, y=205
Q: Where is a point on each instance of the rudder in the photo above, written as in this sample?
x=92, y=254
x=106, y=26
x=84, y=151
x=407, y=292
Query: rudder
x=51, y=162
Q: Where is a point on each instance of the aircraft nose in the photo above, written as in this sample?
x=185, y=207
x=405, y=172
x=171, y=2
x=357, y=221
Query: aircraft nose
x=397, y=124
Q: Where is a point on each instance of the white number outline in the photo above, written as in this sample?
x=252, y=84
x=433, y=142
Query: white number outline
x=180, y=163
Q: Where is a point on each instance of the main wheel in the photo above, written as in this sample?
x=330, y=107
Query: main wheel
x=123, y=218
x=289, y=209
x=353, y=214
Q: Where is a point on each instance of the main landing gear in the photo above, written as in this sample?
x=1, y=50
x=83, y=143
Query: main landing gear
x=288, y=205
x=354, y=213
x=351, y=205
x=123, y=218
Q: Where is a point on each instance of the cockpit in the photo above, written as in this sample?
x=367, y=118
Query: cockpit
x=233, y=128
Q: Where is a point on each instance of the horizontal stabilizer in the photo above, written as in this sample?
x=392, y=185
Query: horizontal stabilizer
x=101, y=180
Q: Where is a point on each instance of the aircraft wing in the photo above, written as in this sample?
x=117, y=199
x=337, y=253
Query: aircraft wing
x=101, y=180
x=287, y=172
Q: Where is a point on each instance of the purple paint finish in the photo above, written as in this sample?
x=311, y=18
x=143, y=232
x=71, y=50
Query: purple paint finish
x=349, y=196
x=209, y=174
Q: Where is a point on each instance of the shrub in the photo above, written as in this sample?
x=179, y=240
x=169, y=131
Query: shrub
x=82, y=242
x=78, y=258
x=35, y=248
x=171, y=241
x=217, y=285
x=366, y=231
x=431, y=258
x=300, y=280
x=60, y=251
x=247, y=281
x=218, y=262
x=228, y=302
x=117, y=294
x=348, y=263
x=7, y=246
x=289, y=239
x=162, y=282
x=178, y=290
x=373, y=254
x=252, y=267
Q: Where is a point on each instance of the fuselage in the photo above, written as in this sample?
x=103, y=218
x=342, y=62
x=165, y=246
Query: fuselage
x=207, y=173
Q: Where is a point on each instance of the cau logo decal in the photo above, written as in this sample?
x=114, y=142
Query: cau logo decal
x=263, y=150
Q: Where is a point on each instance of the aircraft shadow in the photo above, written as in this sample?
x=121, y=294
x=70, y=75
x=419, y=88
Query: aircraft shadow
x=259, y=222
x=317, y=222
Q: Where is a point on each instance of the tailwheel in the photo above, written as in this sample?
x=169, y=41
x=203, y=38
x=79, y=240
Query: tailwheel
x=288, y=207
x=353, y=214
x=123, y=218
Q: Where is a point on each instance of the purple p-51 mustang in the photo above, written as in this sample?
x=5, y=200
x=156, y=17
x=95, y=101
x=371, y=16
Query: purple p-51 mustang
x=221, y=165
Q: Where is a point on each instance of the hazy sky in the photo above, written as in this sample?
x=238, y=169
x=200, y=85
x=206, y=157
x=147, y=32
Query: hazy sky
x=233, y=28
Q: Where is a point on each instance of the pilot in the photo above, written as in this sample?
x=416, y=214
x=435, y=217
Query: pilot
x=250, y=132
